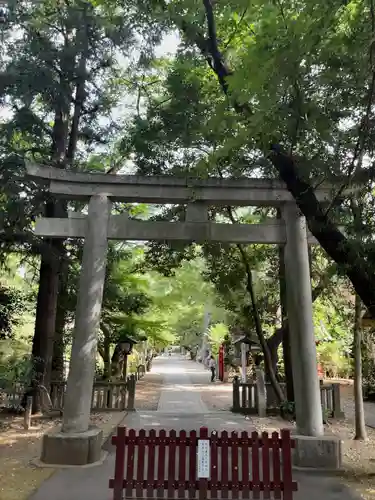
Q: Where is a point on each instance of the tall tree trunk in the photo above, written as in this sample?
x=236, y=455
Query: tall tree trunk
x=360, y=422
x=116, y=365
x=287, y=353
x=63, y=149
x=107, y=358
x=105, y=351
x=80, y=89
x=45, y=319
x=42, y=348
x=58, y=366
x=273, y=346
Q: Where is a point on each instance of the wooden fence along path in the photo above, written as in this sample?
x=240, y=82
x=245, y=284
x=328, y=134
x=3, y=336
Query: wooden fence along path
x=110, y=396
x=331, y=400
x=246, y=400
x=202, y=466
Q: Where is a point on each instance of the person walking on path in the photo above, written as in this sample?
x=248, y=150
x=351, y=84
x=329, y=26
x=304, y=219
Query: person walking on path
x=212, y=367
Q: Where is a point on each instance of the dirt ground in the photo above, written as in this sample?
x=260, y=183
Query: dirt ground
x=358, y=456
x=148, y=392
x=18, y=448
x=217, y=396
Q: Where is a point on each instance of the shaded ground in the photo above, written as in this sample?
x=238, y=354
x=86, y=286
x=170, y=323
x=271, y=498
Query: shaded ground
x=358, y=456
x=180, y=405
x=148, y=392
x=170, y=388
x=18, y=448
x=217, y=396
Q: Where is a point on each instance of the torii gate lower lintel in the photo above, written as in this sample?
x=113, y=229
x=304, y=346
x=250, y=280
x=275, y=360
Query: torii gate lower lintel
x=121, y=227
x=99, y=226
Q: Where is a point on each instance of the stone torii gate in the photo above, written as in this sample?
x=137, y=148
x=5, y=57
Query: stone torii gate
x=100, y=225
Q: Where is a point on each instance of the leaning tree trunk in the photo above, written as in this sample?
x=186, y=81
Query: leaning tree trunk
x=358, y=264
x=360, y=423
x=258, y=328
x=275, y=340
x=258, y=325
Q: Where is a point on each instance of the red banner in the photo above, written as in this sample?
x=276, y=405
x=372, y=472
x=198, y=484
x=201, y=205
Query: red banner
x=221, y=363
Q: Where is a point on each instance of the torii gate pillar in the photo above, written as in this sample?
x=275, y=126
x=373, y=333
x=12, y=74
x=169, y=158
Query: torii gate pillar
x=300, y=317
x=76, y=444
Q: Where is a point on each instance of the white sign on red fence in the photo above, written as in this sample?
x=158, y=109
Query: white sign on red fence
x=204, y=458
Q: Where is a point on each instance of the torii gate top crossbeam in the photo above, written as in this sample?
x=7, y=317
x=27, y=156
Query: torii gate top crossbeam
x=167, y=189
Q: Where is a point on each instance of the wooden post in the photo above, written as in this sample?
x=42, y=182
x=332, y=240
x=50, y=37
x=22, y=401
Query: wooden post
x=124, y=395
x=272, y=401
x=203, y=481
x=131, y=383
x=336, y=400
x=119, y=464
x=324, y=400
x=125, y=367
x=243, y=363
x=109, y=397
x=27, y=416
x=286, y=455
x=260, y=393
x=236, y=395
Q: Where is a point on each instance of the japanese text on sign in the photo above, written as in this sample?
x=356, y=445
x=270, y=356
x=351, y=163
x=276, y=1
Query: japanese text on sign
x=204, y=458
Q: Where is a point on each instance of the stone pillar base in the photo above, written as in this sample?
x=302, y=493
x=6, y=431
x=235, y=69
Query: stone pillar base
x=64, y=448
x=319, y=453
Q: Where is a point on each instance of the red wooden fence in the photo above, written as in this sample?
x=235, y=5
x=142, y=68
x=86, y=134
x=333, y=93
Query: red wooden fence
x=237, y=465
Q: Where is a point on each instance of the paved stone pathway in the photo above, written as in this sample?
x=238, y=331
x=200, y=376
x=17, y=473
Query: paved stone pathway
x=180, y=407
x=180, y=404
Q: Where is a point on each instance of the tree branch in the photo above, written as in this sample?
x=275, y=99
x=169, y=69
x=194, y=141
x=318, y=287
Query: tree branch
x=364, y=125
x=218, y=64
x=338, y=247
x=37, y=246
